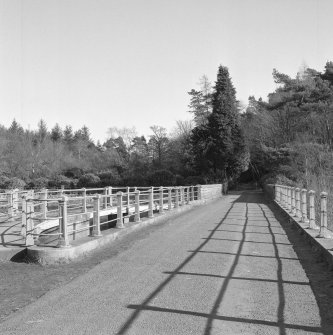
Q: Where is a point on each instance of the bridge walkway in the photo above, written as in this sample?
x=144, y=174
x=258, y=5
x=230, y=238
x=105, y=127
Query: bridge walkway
x=230, y=267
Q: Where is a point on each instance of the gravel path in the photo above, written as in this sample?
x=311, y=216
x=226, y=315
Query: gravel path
x=230, y=267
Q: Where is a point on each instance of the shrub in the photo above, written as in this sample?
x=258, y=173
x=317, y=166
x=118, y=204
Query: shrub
x=110, y=178
x=89, y=180
x=162, y=178
x=60, y=180
x=11, y=183
x=38, y=183
x=194, y=180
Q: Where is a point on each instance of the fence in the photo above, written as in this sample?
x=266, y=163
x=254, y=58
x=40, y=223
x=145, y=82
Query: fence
x=307, y=206
x=60, y=216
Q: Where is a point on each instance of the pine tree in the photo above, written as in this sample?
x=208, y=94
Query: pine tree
x=221, y=142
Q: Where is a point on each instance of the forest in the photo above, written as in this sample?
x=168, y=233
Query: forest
x=286, y=138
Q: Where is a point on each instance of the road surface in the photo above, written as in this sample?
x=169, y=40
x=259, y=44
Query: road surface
x=228, y=267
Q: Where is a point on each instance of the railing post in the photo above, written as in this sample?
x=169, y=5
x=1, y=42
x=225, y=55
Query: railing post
x=192, y=193
x=96, y=231
x=289, y=198
x=298, y=203
x=182, y=195
x=29, y=238
x=150, y=203
x=285, y=200
x=169, y=198
x=276, y=192
x=199, y=192
x=105, y=199
x=161, y=194
x=303, y=205
x=43, y=197
x=312, y=217
x=176, y=197
x=63, y=241
x=24, y=216
x=15, y=201
x=281, y=195
x=323, y=214
x=128, y=200
x=293, y=202
x=10, y=210
x=84, y=201
x=120, y=223
x=137, y=206
x=187, y=195
x=110, y=196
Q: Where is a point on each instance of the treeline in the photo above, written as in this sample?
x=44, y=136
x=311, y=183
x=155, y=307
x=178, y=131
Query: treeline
x=290, y=136
x=55, y=157
x=209, y=148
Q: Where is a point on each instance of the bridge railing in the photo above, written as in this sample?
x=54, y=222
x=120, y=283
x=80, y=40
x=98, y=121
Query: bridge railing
x=308, y=206
x=60, y=216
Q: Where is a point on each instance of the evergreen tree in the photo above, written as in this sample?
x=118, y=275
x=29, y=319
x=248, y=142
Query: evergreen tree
x=219, y=146
x=56, y=133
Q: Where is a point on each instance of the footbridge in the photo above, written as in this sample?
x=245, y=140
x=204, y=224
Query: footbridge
x=47, y=219
x=244, y=263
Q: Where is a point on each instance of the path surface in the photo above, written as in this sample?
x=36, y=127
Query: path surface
x=226, y=268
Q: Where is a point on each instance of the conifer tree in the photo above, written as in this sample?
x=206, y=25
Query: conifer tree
x=219, y=146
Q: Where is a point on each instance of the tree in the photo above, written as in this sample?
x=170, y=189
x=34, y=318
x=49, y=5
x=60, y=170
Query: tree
x=219, y=146
x=158, y=144
x=56, y=133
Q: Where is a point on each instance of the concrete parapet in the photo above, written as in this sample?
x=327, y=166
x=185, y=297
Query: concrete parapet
x=82, y=247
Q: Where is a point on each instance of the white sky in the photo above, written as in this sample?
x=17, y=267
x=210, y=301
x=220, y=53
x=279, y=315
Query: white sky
x=107, y=63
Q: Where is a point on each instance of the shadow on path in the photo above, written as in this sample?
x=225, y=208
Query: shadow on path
x=246, y=198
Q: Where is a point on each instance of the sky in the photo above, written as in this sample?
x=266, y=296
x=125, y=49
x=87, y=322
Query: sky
x=125, y=63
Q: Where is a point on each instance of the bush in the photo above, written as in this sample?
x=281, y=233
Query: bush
x=62, y=180
x=194, y=180
x=11, y=183
x=110, y=178
x=162, y=178
x=89, y=180
x=38, y=183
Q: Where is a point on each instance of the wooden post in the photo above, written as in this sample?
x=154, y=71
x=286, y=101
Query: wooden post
x=161, y=209
x=96, y=231
x=128, y=200
x=120, y=223
x=150, y=203
x=137, y=206
x=312, y=217
x=303, y=206
x=298, y=203
x=63, y=241
x=323, y=214
x=182, y=200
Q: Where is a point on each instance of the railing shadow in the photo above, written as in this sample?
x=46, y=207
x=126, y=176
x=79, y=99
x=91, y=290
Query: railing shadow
x=210, y=316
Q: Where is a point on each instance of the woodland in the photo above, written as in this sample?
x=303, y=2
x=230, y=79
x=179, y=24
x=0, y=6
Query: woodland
x=286, y=138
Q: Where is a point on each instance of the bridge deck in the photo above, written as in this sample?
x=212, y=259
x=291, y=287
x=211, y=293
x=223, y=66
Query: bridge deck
x=230, y=267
